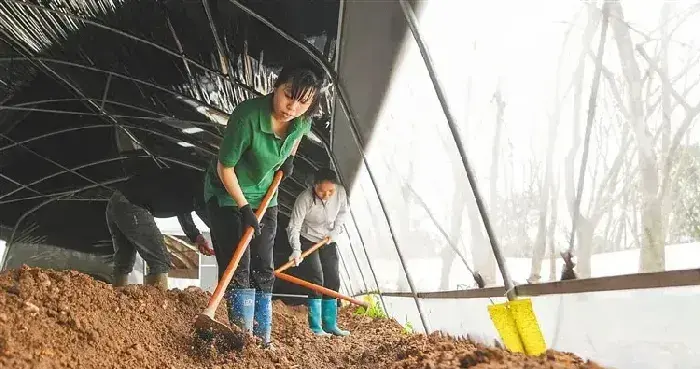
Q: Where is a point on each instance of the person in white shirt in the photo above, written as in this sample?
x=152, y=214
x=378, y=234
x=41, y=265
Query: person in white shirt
x=320, y=211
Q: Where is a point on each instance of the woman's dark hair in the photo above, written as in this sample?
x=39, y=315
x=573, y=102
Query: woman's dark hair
x=305, y=78
x=325, y=175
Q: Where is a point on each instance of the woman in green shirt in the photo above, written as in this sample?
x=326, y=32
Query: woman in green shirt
x=261, y=137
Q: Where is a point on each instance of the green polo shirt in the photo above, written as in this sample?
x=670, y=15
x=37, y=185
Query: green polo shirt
x=251, y=147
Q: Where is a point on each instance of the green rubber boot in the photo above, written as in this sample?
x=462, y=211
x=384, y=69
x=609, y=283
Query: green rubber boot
x=315, y=317
x=329, y=317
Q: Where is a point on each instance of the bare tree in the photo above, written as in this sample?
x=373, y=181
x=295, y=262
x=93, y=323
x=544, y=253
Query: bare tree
x=656, y=170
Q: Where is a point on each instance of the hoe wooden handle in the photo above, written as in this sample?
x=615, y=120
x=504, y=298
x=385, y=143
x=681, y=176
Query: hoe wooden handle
x=304, y=254
x=319, y=289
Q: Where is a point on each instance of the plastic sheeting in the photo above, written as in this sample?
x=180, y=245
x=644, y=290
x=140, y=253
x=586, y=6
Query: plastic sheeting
x=518, y=79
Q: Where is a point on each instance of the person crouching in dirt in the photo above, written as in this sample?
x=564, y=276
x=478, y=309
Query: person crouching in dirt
x=130, y=216
x=318, y=212
x=262, y=136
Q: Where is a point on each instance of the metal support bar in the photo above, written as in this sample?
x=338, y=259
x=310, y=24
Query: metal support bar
x=68, y=112
x=382, y=204
x=76, y=90
x=104, y=94
x=117, y=31
x=477, y=277
x=193, y=82
x=223, y=58
x=413, y=25
x=209, y=149
x=357, y=261
x=59, y=173
x=301, y=44
x=103, y=101
x=21, y=186
x=369, y=262
x=334, y=161
x=166, y=158
x=336, y=61
x=82, y=166
x=123, y=76
x=54, y=162
x=58, y=197
x=348, y=285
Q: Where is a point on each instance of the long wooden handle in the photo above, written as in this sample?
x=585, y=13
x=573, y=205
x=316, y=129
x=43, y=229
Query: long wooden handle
x=304, y=254
x=242, y=245
x=319, y=289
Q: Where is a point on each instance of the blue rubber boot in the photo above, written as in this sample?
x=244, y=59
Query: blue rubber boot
x=315, y=317
x=329, y=317
x=263, y=318
x=241, y=308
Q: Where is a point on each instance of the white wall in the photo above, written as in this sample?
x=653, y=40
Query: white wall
x=636, y=329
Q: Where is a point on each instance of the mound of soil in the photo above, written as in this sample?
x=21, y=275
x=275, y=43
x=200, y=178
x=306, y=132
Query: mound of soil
x=51, y=319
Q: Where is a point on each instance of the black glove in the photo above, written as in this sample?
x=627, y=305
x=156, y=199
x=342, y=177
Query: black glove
x=248, y=219
x=287, y=167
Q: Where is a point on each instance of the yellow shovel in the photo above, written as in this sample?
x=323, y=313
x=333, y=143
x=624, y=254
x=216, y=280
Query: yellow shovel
x=517, y=325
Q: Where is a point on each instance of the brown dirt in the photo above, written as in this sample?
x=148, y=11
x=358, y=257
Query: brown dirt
x=52, y=319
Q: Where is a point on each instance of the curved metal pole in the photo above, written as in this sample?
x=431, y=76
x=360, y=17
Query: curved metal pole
x=334, y=161
x=477, y=277
x=83, y=166
x=336, y=62
x=223, y=58
x=65, y=169
x=348, y=285
x=209, y=149
x=413, y=25
x=119, y=32
x=357, y=261
x=382, y=204
x=56, y=174
x=57, y=197
x=193, y=82
x=21, y=186
x=54, y=133
x=53, y=162
x=369, y=262
x=162, y=119
x=302, y=45
x=132, y=79
x=90, y=104
x=113, y=102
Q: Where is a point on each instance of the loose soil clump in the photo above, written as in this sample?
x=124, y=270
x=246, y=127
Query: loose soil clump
x=51, y=319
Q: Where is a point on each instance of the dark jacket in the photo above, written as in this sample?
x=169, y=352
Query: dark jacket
x=167, y=193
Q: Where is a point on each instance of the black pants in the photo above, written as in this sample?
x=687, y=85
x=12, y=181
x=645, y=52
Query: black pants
x=256, y=268
x=321, y=267
x=134, y=230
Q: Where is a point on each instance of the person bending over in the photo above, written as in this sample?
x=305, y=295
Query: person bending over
x=130, y=216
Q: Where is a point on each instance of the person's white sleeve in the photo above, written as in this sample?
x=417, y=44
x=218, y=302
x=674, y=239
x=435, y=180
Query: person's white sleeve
x=342, y=216
x=301, y=208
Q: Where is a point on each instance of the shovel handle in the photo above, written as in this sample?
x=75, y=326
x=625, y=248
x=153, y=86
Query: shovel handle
x=319, y=289
x=242, y=245
x=304, y=254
